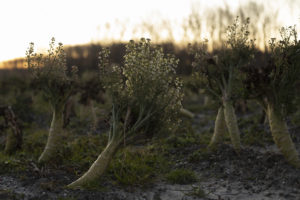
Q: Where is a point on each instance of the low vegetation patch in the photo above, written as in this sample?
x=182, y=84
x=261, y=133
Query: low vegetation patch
x=137, y=166
x=181, y=176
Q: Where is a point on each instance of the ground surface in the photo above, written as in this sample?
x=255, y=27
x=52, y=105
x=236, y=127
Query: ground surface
x=256, y=173
x=223, y=175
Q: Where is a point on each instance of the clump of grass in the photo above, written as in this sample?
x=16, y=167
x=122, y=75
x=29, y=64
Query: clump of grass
x=10, y=164
x=202, y=154
x=255, y=135
x=81, y=151
x=180, y=141
x=198, y=192
x=137, y=167
x=186, y=140
x=34, y=143
x=181, y=176
x=183, y=137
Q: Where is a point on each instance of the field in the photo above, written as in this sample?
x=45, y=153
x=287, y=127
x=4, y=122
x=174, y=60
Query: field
x=211, y=125
x=142, y=171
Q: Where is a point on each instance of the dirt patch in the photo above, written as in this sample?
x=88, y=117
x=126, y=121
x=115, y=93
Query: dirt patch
x=252, y=174
x=258, y=172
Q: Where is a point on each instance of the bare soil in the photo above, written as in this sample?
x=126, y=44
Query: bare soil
x=256, y=173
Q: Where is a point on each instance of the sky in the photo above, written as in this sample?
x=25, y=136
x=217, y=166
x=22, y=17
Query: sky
x=84, y=21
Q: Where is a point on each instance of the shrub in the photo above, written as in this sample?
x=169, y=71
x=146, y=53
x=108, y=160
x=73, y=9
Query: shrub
x=145, y=99
x=274, y=85
x=218, y=74
x=52, y=77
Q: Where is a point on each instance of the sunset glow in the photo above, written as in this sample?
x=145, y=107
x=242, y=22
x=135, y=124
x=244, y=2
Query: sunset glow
x=78, y=22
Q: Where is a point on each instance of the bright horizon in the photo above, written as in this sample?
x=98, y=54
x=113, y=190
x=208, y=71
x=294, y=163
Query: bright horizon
x=78, y=22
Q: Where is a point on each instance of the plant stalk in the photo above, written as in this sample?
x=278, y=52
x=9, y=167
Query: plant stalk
x=282, y=137
x=54, y=138
x=231, y=123
x=99, y=166
x=219, y=130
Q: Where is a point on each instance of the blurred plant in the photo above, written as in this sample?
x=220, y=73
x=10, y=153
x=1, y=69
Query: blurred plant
x=51, y=76
x=137, y=167
x=145, y=100
x=14, y=138
x=182, y=176
x=274, y=86
x=91, y=91
x=218, y=73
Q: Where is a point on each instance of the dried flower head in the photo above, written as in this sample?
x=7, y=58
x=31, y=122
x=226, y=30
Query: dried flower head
x=50, y=73
x=145, y=81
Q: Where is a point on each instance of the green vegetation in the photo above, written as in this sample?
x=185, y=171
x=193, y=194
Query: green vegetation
x=273, y=85
x=125, y=124
x=181, y=176
x=218, y=74
x=14, y=136
x=144, y=93
x=137, y=167
x=50, y=75
x=198, y=192
x=201, y=154
x=10, y=164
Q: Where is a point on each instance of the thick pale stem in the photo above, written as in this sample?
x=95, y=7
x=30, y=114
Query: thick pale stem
x=11, y=142
x=99, y=166
x=94, y=115
x=231, y=123
x=14, y=137
x=54, y=138
x=187, y=113
x=282, y=137
x=219, y=130
x=207, y=100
